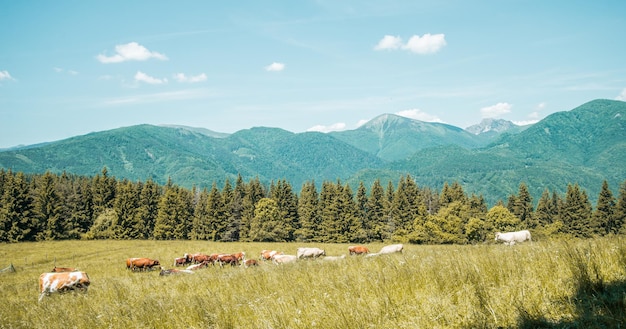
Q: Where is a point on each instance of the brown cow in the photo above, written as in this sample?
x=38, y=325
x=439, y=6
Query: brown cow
x=227, y=259
x=250, y=262
x=358, y=250
x=63, y=269
x=62, y=281
x=199, y=258
x=182, y=261
x=141, y=264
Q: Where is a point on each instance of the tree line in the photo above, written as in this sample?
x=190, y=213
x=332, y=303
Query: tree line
x=49, y=206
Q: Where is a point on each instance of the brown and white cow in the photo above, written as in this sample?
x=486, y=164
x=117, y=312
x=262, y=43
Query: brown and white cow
x=227, y=259
x=199, y=258
x=141, y=264
x=358, y=250
x=63, y=269
x=268, y=254
x=62, y=281
x=182, y=261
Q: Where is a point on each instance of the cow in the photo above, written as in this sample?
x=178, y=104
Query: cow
x=174, y=271
x=268, y=254
x=141, y=264
x=358, y=250
x=227, y=259
x=310, y=252
x=63, y=269
x=250, y=262
x=510, y=238
x=62, y=281
x=284, y=259
x=241, y=256
x=390, y=249
x=197, y=266
x=199, y=258
x=182, y=261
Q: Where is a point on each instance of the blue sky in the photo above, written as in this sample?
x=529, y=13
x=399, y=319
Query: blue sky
x=68, y=68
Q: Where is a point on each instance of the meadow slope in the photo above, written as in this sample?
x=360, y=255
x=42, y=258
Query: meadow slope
x=550, y=284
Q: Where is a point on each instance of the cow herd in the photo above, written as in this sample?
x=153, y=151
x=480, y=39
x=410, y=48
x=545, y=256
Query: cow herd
x=62, y=279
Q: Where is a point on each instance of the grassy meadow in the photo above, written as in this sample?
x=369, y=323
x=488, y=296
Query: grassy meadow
x=548, y=284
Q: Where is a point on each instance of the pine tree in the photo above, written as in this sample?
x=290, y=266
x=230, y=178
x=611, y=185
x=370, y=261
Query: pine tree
x=167, y=218
x=200, y=227
x=602, y=217
x=522, y=207
x=287, y=203
x=216, y=214
x=576, y=212
x=127, y=225
x=363, y=223
x=618, y=225
x=545, y=211
x=308, y=213
x=254, y=193
x=17, y=222
x=267, y=224
x=347, y=215
x=148, y=209
x=103, y=192
x=47, y=208
x=330, y=227
x=376, y=212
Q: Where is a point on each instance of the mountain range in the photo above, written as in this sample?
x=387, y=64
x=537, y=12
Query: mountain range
x=585, y=145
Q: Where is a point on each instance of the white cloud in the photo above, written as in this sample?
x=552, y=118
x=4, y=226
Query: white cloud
x=417, y=114
x=525, y=122
x=620, y=97
x=541, y=106
x=426, y=44
x=4, y=75
x=495, y=110
x=389, y=42
x=275, y=67
x=362, y=122
x=324, y=129
x=142, y=77
x=130, y=52
x=60, y=70
x=181, y=77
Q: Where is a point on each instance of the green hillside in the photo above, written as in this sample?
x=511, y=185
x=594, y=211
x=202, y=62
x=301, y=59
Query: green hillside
x=585, y=145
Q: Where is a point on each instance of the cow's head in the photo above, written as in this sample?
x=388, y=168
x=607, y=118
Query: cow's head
x=497, y=235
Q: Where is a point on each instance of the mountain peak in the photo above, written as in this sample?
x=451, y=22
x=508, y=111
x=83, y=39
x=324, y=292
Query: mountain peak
x=491, y=125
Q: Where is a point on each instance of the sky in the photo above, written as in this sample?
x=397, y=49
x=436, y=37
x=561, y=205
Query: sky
x=69, y=68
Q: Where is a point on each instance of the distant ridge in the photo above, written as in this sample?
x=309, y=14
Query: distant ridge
x=585, y=145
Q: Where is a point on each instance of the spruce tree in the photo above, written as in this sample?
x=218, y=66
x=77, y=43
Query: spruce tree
x=254, y=193
x=576, y=212
x=347, y=215
x=602, y=217
x=376, y=212
x=330, y=227
x=363, y=223
x=234, y=210
x=148, y=209
x=17, y=221
x=287, y=203
x=47, y=208
x=267, y=224
x=127, y=225
x=167, y=216
x=522, y=207
x=308, y=213
x=618, y=225
x=200, y=226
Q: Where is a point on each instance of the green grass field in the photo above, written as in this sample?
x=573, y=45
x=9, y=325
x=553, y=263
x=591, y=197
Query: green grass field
x=549, y=284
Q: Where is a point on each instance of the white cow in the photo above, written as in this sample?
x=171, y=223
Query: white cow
x=284, y=259
x=390, y=249
x=511, y=237
x=334, y=258
x=310, y=252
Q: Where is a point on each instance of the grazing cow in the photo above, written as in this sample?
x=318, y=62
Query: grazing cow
x=63, y=269
x=141, y=264
x=511, y=238
x=174, y=271
x=310, y=252
x=250, y=262
x=390, y=249
x=62, y=281
x=334, y=258
x=227, y=259
x=284, y=259
x=268, y=254
x=241, y=256
x=358, y=250
x=199, y=258
x=182, y=261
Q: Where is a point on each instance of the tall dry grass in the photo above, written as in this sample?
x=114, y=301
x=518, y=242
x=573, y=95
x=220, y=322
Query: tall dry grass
x=555, y=284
